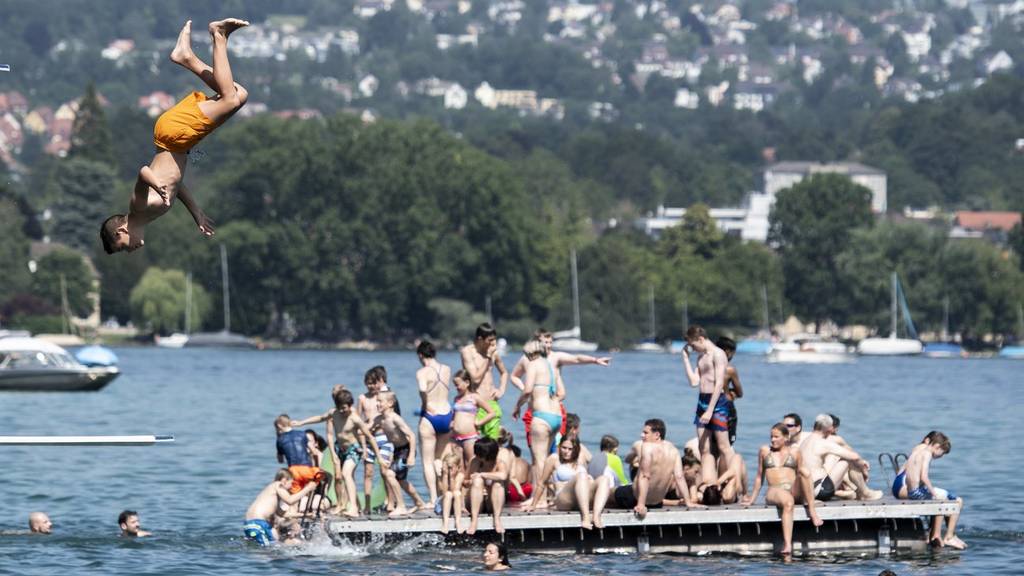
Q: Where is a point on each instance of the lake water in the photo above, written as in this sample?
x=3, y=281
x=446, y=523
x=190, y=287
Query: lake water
x=220, y=406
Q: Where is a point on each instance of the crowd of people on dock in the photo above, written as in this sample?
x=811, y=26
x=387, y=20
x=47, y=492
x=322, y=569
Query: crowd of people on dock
x=470, y=459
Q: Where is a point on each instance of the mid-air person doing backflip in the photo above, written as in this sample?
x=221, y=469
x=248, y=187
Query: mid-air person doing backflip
x=176, y=131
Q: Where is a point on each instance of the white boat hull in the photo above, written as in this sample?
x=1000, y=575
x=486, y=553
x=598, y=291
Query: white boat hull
x=573, y=345
x=889, y=347
x=176, y=340
x=810, y=353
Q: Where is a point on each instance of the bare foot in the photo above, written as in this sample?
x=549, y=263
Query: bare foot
x=399, y=512
x=472, y=528
x=598, y=523
x=787, y=551
x=458, y=525
x=351, y=513
x=956, y=542
x=872, y=495
x=498, y=527
x=182, y=53
x=227, y=26
x=444, y=526
x=816, y=520
x=936, y=543
x=587, y=523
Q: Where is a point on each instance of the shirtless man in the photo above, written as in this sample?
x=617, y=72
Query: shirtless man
x=478, y=359
x=913, y=483
x=347, y=436
x=733, y=388
x=434, y=383
x=39, y=523
x=366, y=407
x=488, y=479
x=855, y=483
x=795, y=425
x=661, y=469
x=175, y=133
x=557, y=359
x=814, y=451
x=712, y=417
x=404, y=440
x=272, y=501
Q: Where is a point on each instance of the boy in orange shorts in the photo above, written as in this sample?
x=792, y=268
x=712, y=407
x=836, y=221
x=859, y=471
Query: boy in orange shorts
x=176, y=132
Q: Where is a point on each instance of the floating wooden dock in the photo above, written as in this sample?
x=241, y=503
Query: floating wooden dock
x=881, y=527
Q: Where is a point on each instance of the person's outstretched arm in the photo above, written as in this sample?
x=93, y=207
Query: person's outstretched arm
x=203, y=221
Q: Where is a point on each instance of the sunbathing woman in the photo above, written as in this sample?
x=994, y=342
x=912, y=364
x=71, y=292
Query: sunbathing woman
x=788, y=482
x=465, y=422
x=570, y=480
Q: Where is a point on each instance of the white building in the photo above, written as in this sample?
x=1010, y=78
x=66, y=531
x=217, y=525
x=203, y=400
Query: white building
x=750, y=221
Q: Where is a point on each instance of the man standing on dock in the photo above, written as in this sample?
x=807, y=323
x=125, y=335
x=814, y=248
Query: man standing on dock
x=712, y=416
x=478, y=358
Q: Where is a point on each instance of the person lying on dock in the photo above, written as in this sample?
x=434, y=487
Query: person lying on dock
x=732, y=483
x=661, y=468
x=692, y=476
x=272, y=502
x=347, y=436
x=396, y=472
x=913, y=483
x=175, y=133
x=855, y=483
x=788, y=480
x=544, y=391
x=453, y=476
x=478, y=360
x=488, y=479
x=569, y=480
x=557, y=359
x=815, y=451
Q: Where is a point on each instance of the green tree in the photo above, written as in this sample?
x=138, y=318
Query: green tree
x=13, y=250
x=90, y=134
x=86, y=189
x=77, y=277
x=1016, y=242
x=811, y=224
x=158, y=301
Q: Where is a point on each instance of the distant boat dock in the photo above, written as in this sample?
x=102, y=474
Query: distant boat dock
x=882, y=527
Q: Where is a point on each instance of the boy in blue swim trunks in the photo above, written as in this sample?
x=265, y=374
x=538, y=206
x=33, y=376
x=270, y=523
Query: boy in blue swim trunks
x=913, y=483
x=269, y=505
x=712, y=415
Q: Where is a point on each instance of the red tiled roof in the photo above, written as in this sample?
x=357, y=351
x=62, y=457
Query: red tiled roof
x=988, y=220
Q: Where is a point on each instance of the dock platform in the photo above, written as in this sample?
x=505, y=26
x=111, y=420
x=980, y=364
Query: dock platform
x=880, y=527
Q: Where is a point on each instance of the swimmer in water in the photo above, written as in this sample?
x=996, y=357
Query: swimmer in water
x=175, y=133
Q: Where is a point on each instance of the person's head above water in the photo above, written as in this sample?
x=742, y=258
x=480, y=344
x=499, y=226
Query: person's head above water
x=39, y=523
x=128, y=520
x=496, y=556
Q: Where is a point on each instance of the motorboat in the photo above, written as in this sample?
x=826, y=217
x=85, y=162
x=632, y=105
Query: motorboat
x=944, y=350
x=1014, y=352
x=33, y=365
x=176, y=340
x=809, y=349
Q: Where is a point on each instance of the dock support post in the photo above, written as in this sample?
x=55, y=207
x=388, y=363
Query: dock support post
x=643, y=544
x=884, y=541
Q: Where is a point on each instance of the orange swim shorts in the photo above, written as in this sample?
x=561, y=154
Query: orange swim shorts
x=183, y=126
x=302, y=475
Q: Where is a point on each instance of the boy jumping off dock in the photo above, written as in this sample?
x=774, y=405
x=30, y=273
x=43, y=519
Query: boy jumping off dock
x=176, y=132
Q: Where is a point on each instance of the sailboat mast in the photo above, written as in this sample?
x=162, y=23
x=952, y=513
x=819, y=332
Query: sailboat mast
x=224, y=286
x=651, y=309
x=894, y=281
x=945, y=319
x=188, y=303
x=575, y=295
x=764, y=303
